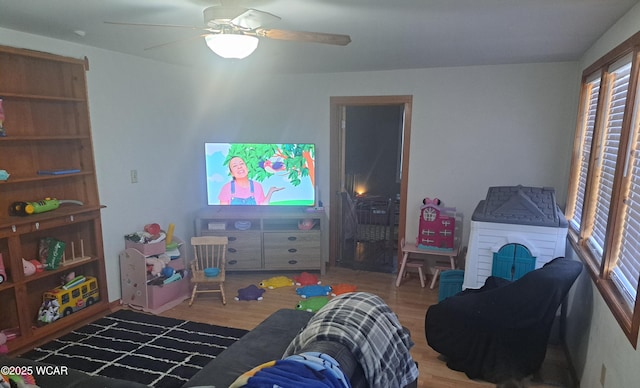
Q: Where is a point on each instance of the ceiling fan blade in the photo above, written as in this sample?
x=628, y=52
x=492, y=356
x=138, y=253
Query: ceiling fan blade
x=252, y=18
x=174, y=42
x=304, y=36
x=156, y=25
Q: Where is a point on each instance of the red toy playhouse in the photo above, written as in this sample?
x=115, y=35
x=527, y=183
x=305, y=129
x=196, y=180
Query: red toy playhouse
x=437, y=225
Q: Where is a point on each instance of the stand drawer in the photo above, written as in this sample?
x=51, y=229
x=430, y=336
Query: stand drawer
x=244, y=250
x=291, y=250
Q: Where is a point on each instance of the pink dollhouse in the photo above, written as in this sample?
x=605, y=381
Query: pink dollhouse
x=437, y=225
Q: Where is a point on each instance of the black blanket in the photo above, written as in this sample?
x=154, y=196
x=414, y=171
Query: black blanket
x=500, y=331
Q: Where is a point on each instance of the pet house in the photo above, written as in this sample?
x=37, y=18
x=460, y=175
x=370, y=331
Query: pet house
x=514, y=230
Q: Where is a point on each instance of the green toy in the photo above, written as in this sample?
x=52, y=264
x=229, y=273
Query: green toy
x=312, y=304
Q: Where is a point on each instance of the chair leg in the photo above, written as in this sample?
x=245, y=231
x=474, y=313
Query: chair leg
x=421, y=274
x=193, y=294
x=224, y=299
x=435, y=277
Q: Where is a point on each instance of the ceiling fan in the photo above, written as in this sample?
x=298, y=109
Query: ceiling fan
x=234, y=32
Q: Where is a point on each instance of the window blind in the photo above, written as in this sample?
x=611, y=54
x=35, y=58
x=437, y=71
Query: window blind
x=608, y=153
x=589, y=122
x=626, y=270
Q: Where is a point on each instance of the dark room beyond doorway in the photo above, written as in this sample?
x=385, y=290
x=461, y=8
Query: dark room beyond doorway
x=373, y=161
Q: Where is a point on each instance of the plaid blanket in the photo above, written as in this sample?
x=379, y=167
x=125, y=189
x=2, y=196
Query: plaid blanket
x=371, y=331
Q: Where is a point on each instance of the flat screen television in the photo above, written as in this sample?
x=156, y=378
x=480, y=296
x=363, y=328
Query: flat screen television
x=260, y=174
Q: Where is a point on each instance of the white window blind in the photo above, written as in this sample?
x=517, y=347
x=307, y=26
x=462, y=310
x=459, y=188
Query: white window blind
x=608, y=153
x=588, y=125
x=626, y=271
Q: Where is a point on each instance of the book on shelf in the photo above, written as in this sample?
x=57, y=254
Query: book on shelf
x=59, y=171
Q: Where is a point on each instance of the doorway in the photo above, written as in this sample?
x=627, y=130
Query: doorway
x=357, y=197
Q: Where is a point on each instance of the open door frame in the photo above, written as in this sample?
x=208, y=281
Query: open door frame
x=337, y=165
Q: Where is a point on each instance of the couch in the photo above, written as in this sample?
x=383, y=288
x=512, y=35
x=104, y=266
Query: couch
x=267, y=341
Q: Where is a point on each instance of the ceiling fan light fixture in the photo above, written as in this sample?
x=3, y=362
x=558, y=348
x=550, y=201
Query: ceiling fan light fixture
x=232, y=45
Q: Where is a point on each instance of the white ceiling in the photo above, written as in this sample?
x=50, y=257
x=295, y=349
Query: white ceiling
x=386, y=35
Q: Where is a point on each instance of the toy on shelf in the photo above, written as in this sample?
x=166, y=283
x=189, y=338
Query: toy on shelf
x=306, y=224
x=153, y=230
x=315, y=290
x=306, y=279
x=277, y=282
x=49, y=311
x=28, y=268
x=342, y=288
x=251, y=292
x=38, y=265
x=4, y=349
x=313, y=304
x=155, y=265
x=51, y=252
x=437, y=225
x=169, y=240
x=3, y=272
x=76, y=294
x=2, y=131
x=21, y=208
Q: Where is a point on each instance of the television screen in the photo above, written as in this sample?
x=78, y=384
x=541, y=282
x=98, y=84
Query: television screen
x=260, y=174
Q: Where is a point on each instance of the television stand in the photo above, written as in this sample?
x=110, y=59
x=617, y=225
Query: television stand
x=266, y=238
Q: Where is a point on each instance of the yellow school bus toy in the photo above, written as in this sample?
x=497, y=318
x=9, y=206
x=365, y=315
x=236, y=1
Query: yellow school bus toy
x=73, y=296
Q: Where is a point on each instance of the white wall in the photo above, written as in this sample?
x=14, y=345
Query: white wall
x=472, y=127
x=594, y=336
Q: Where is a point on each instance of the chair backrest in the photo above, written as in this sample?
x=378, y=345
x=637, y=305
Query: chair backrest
x=209, y=252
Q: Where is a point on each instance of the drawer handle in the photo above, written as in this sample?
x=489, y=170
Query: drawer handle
x=292, y=250
x=292, y=238
x=232, y=262
x=232, y=250
x=293, y=262
x=230, y=238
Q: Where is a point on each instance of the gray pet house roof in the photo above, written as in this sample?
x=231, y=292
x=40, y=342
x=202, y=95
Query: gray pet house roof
x=520, y=205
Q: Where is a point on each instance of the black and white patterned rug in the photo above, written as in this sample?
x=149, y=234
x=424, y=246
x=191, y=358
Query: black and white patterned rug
x=158, y=351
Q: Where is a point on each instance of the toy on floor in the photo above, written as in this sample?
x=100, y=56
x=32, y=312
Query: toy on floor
x=18, y=381
x=276, y=282
x=313, y=304
x=315, y=290
x=251, y=292
x=306, y=279
x=342, y=288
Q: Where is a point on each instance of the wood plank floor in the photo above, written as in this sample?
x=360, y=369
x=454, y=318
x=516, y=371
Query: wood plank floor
x=409, y=301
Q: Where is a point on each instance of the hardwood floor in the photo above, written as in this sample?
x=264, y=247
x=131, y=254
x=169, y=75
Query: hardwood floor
x=409, y=301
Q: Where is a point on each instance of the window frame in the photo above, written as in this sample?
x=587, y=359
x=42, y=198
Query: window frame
x=599, y=268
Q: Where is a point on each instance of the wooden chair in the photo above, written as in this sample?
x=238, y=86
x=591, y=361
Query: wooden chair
x=209, y=252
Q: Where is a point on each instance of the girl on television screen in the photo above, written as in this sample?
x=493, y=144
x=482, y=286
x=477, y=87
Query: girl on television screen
x=241, y=190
